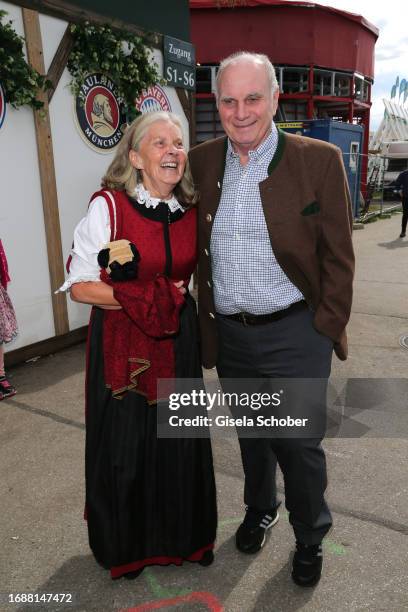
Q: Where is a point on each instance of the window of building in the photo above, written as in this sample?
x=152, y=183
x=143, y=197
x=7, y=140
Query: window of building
x=293, y=79
x=323, y=83
x=361, y=88
x=342, y=85
x=354, y=151
x=205, y=79
x=397, y=165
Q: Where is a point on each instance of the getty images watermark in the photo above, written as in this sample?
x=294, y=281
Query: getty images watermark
x=283, y=408
x=249, y=407
x=218, y=399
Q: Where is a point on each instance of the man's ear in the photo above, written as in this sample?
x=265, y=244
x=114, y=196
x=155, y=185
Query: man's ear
x=135, y=159
x=275, y=99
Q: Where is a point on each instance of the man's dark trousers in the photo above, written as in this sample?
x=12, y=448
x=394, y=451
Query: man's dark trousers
x=286, y=348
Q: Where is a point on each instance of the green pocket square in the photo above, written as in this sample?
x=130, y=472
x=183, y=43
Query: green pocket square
x=311, y=209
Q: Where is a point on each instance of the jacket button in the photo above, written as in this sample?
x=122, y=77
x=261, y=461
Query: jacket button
x=208, y=218
x=212, y=315
x=206, y=252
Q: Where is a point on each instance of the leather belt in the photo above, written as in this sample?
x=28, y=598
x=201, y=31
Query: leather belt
x=249, y=319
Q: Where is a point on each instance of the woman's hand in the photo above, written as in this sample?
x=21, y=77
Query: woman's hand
x=180, y=287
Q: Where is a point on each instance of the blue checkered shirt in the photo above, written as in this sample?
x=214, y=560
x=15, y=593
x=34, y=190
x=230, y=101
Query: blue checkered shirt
x=246, y=275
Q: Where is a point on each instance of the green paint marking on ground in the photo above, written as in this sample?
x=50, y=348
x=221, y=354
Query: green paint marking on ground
x=163, y=592
x=333, y=547
x=329, y=545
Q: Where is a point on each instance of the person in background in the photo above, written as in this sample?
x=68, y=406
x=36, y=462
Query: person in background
x=149, y=501
x=8, y=325
x=401, y=184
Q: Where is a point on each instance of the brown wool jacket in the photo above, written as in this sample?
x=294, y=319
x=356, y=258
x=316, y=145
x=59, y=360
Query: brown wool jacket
x=306, y=203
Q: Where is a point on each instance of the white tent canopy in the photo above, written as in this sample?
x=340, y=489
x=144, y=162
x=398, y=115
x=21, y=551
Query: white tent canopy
x=394, y=126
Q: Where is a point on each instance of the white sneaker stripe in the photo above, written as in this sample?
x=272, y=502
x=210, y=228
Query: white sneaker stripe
x=267, y=521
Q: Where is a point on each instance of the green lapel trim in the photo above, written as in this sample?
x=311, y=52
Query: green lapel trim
x=279, y=151
x=311, y=209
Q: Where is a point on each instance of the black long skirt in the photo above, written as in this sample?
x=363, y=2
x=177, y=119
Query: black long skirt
x=148, y=500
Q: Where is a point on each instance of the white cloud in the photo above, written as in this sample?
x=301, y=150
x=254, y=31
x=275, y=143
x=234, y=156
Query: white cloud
x=391, y=49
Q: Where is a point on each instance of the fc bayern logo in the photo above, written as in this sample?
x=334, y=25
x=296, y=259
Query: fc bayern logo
x=2, y=106
x=153, y=99
x=99, y=113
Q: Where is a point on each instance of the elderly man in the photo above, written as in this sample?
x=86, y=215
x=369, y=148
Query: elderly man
x=275, y=285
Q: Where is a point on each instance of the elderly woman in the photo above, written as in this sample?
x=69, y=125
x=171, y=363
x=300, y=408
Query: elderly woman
x=148, y=500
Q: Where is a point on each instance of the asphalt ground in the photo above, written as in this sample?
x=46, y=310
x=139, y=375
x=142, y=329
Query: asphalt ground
x=44, y=546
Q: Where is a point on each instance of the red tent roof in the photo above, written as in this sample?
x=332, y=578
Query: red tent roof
x=293, y=33
x=225, y=4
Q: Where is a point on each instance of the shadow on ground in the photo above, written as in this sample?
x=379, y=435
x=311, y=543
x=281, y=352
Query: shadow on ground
x=33, y=376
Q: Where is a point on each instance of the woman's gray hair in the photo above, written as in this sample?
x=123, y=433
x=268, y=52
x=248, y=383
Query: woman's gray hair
x=246, y=56
x=122, y=176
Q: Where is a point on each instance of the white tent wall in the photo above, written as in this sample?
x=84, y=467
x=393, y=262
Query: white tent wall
x=21, y=219
x=78, y=171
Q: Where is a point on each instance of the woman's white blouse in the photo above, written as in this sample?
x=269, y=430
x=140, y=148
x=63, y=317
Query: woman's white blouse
x=90, y=236
x=93, y=232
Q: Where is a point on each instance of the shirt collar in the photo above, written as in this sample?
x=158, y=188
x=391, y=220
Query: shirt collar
x=143, y=196
x=268, y=146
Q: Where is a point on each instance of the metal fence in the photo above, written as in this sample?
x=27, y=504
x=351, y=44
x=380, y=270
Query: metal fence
x=372, y=184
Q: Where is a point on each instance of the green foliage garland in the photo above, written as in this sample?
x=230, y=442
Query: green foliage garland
x=19, y=80
x=121, y=55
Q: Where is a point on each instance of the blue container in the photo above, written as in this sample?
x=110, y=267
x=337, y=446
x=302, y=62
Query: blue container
x=347, y=136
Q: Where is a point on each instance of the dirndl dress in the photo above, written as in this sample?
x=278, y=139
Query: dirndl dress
x=8, y=322
x=149, y=500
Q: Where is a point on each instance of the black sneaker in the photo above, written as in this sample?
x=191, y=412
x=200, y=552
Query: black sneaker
x=402, y=235
x=251, y=534
x=307, y=564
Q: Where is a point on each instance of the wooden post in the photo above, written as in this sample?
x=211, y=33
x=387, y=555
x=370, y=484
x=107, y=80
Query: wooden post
x=59, y=61
x=47, y=176
x=76, y=14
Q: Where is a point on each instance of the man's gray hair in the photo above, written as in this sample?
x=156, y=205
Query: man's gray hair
x=239, y=56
